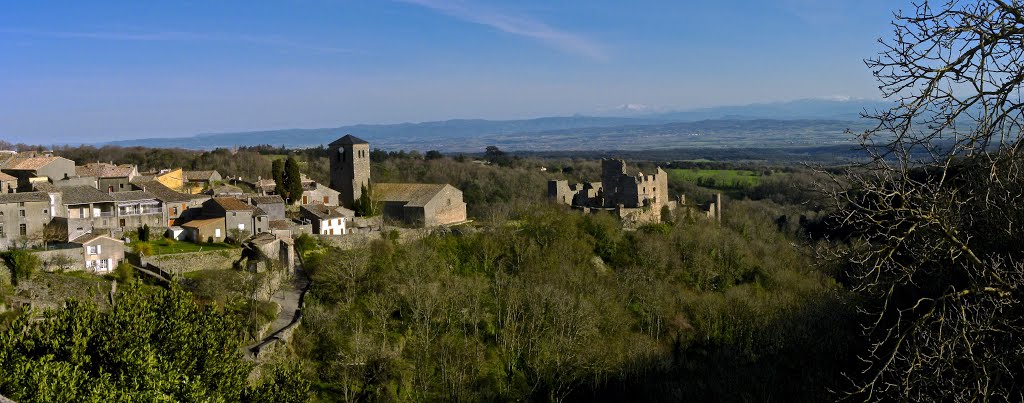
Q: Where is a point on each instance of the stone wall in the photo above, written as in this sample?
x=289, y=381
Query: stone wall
x=179, y=263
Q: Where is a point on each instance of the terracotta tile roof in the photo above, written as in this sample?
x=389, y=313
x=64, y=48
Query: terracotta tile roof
x=132, y=195
x=105, y=170
x=324, y=212
x=164, y=193
x=24, y=197
x=414, y=194
x=5, y=177
x=83, y=195
x=29, y=164
x=232, y=204
x=225, y=190
x=275, y=199
x=198, y=175
x=203, y=223
x=84, y=239
x=281, y=224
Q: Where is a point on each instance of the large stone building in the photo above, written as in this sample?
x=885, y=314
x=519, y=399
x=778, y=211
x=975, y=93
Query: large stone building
x=420, y=204
x=350, y=168
x=417, y=204
x=634, y=196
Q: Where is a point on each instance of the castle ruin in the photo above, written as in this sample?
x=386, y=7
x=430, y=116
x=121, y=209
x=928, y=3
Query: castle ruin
x=633, y=198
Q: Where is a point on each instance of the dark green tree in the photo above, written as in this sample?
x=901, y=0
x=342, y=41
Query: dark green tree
x=152, y=345
x=293, y=180
x=277, y=172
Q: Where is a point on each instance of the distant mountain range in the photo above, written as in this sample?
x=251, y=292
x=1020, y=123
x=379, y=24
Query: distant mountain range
x=808, y=122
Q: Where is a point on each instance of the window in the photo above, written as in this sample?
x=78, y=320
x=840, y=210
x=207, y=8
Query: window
x=22, y=229
x=2, y=232
x=21, y=213
x=102, y=265
x=241, y=226
x=90, y=264
x=216, y=233
x=174, y=210
x=233, y=214
x=325, y=199
x=121, y=185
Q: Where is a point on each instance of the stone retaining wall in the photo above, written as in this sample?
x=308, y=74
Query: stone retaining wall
x=179, y=263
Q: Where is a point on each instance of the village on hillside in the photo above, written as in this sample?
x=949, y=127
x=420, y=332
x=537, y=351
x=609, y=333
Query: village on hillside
x=81, y=214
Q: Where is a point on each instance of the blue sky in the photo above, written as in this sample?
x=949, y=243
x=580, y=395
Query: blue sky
x=100, y=70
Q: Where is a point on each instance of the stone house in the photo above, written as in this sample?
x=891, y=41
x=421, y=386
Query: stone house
x=420, y=204
x=136, y=208
x=23, y=217
x=28, y=169
x=109, y=177
x=197, y=181
x=205, y=230
x=101, y=254
x=237, y=215
x=176, y=204
x=314, y=193
x=87, y=210
x=327, y=220
x=8, y=183
x=174, y=179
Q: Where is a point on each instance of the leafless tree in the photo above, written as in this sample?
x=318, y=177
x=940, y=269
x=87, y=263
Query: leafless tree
x=936, y=209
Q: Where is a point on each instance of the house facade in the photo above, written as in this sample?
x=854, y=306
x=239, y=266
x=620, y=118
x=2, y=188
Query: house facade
x=205, y=230
x=23, y=217
x=327, y=220
x=101, y=254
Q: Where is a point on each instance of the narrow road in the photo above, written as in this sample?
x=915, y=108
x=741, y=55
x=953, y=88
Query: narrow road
x=288, y=297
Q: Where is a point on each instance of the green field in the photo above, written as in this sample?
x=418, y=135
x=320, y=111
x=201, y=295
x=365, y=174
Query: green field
x=717, y=178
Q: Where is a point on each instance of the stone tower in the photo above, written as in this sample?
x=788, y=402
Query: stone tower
x=350, y=168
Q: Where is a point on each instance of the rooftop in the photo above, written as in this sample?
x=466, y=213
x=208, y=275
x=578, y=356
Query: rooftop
x=349, y=139
x=203, y=223
x=84, y=239
x=84, y=195
x=24, y=197
x=415, y=194
x=232, y=204
x=105, y=170
x=325, y=212
x=164, y=193
x=275, y=199
x=28, y=164
x=198, y=175
x=132, y=195
x=6, y=177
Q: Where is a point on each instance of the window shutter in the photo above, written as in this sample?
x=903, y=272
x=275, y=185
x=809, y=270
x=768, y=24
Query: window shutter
x=99, y=249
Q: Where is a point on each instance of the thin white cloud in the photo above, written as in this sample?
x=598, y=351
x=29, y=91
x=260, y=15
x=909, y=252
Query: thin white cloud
x=516, y=25
x=178, y=36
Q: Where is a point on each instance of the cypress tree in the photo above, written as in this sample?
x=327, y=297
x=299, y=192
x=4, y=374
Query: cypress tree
x=293, y=179
x=277, y=171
